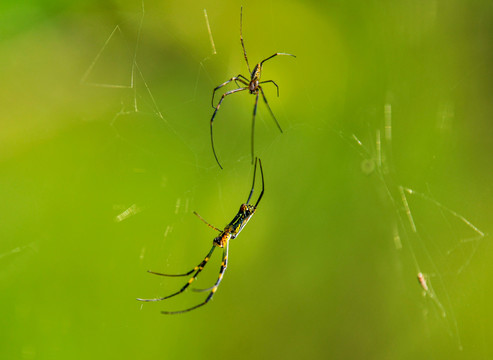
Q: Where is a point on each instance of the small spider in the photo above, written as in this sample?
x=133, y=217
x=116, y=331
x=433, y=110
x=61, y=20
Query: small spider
x=422, y=281
x=252, y=85
x=231, y=231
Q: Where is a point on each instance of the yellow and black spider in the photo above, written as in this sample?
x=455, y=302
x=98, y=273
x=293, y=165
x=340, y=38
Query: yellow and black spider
x=252, y=85
x=231, y=231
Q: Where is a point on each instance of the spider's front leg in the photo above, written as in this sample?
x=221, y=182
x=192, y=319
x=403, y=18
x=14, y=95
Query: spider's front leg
x=239, y=78
x=215, y=112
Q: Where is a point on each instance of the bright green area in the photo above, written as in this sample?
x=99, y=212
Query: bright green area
x=327, y=267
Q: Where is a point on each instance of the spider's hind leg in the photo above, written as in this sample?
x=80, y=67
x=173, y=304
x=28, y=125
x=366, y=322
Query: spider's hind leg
x=196, y=269
x=213, y=289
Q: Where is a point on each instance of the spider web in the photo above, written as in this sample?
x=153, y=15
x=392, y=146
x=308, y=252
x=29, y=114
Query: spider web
x=440, y=242
x=119, y=52
x=108, y=189
x=435, y=244
x=116, y=68
x=138, y=109
x=126, y=77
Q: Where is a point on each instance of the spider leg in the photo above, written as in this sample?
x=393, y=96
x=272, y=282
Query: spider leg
x=197, y=270
x=272, y=81
x=262, y=192
x=214, y=115
x=253, y=123
x=242, y=79
x=270, y=110
x=213, y=289
x=209, y=225
x=241, y=39
x=276, y=54
x=235, y=79
x=253, y=185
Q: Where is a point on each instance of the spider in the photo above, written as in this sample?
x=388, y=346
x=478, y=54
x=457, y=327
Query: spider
x=252, y=85
x=231, y=231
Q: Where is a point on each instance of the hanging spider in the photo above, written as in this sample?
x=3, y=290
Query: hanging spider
x=231, y=231
x=252, y=85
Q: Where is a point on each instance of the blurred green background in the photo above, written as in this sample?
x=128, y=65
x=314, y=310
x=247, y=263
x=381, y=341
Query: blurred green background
x=100, y=172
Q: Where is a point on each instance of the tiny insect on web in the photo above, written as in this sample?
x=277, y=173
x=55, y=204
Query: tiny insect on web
x=252, y=85
x=231, y=231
